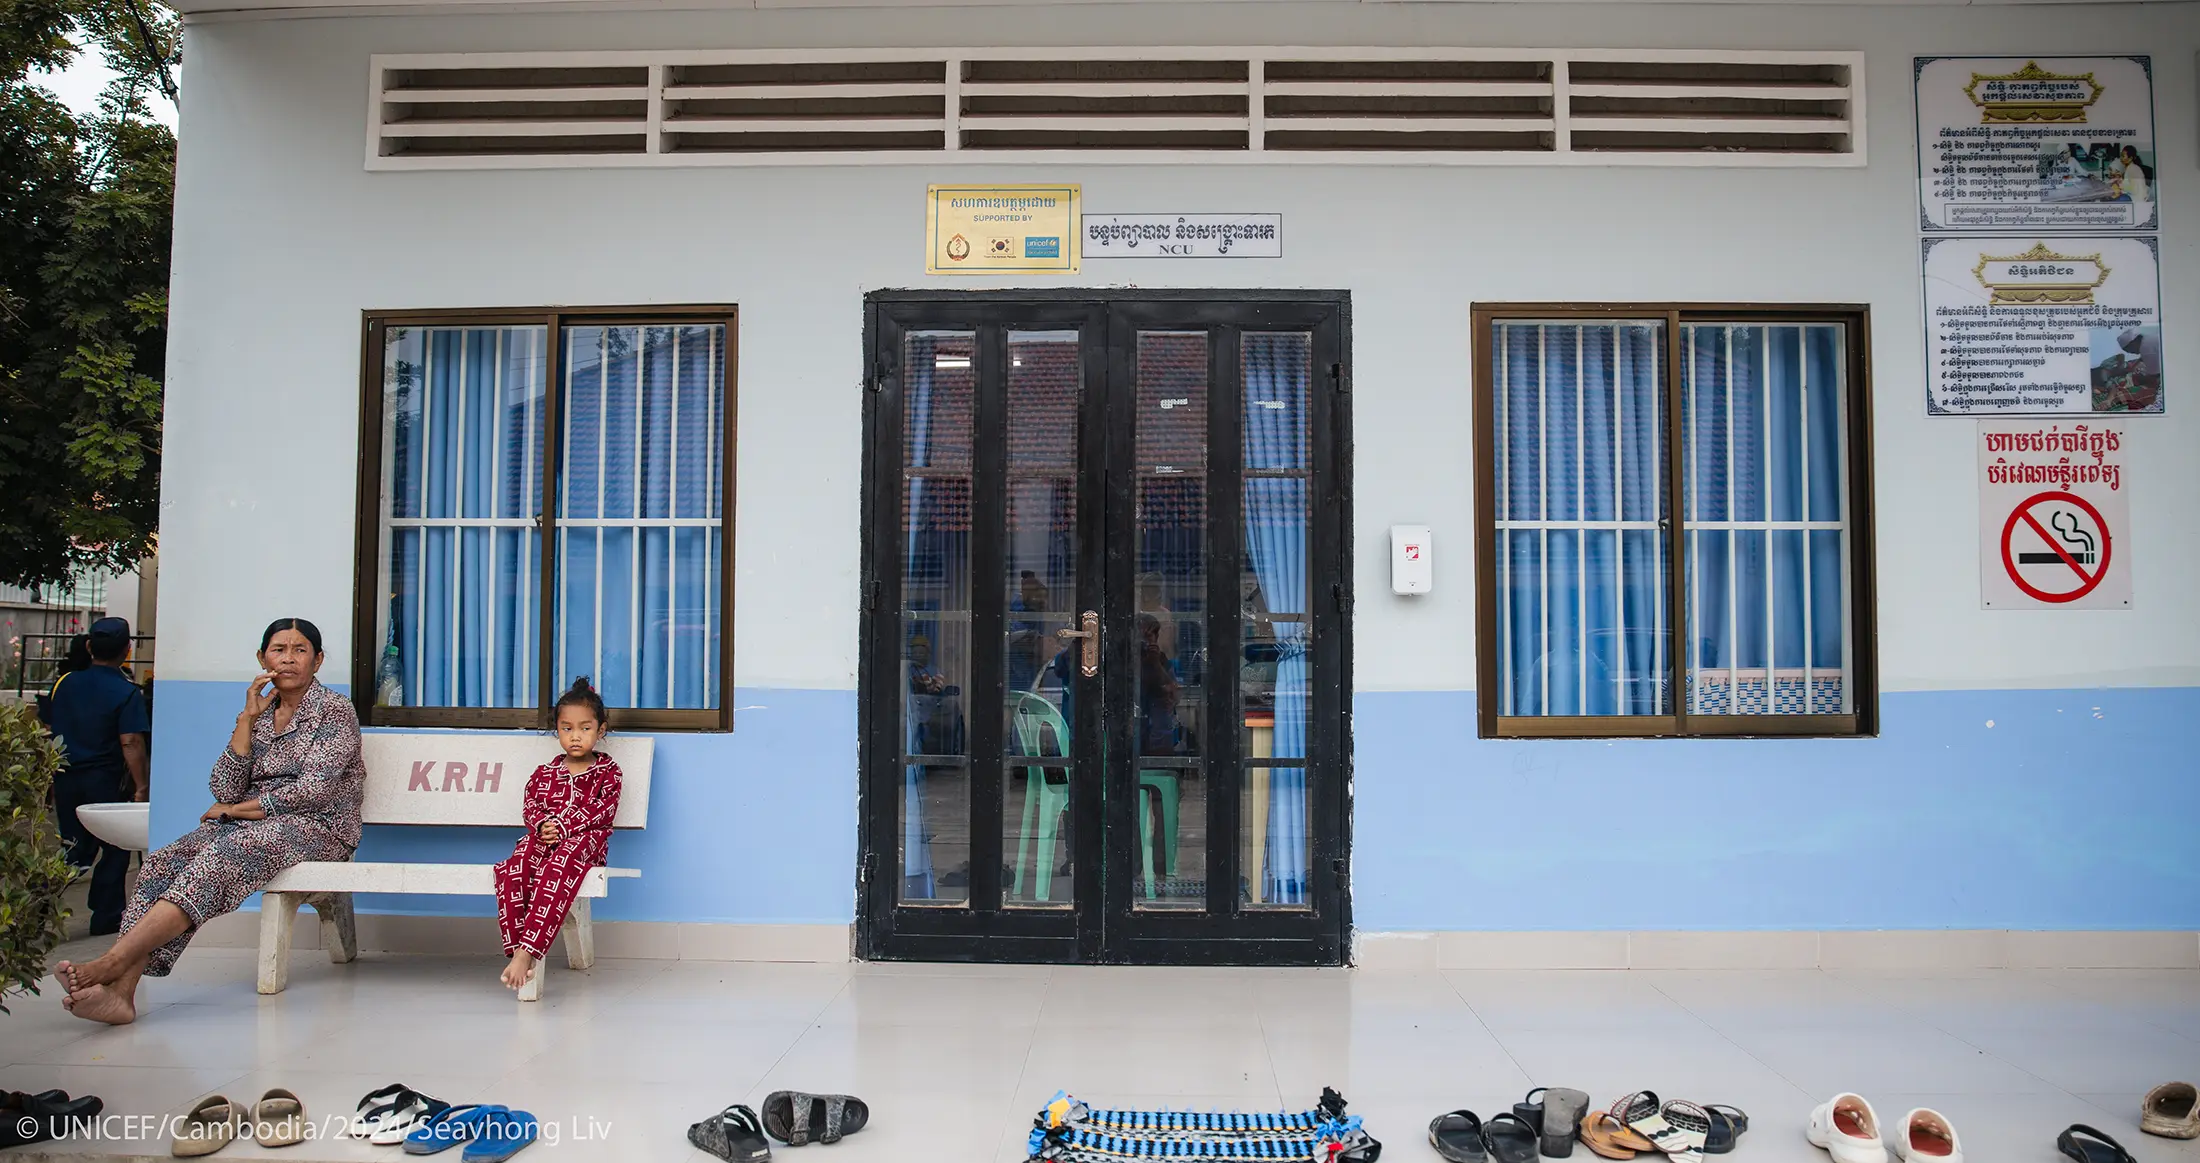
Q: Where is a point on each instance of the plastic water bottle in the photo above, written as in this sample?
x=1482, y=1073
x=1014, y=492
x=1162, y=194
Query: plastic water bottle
x=389, y=688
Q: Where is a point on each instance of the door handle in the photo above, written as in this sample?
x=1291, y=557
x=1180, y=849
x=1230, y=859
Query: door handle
x=1089, y=657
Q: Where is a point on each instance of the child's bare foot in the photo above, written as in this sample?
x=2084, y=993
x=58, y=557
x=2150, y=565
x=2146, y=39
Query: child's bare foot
x=97, y=1003
x=515, y=973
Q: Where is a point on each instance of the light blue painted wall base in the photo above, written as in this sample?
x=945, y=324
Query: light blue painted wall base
x=757, y=826
x=2074, y=810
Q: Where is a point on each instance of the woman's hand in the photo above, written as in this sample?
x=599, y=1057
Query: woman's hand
x=217, y=812
x=259, y=695
x=248, y=810
x=549, y=832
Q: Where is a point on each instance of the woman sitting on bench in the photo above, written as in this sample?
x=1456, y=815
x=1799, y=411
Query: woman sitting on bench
x=287, y=789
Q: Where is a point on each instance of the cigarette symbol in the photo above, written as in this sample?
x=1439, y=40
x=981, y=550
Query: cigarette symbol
x=2081, y=543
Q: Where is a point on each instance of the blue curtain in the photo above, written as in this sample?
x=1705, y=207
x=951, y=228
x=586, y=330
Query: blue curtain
x=462, y=471
x=1277, y=371
x=1580, y=476
x=1762, y=410
x=640, y=508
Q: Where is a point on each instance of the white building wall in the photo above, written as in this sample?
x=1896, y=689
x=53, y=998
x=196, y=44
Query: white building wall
x=283, y=238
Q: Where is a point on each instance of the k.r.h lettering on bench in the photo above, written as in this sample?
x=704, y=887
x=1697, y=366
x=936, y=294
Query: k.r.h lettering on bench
x=487, y=777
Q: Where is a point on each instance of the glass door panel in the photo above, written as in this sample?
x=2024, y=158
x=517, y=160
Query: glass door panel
x=1170, y=542
x=934, y=632
x=1275, y=669
x=1039, y=580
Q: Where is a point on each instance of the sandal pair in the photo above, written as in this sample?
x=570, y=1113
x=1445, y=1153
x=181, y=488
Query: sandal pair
x=737, y=1134
x=1462, y=1137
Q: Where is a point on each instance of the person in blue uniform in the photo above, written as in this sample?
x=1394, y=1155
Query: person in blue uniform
x=100, y=717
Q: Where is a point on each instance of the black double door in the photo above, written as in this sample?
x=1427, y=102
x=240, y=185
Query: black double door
x=1107, y=598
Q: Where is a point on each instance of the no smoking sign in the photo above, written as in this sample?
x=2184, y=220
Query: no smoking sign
x=2056, y=548
x=2053, y=535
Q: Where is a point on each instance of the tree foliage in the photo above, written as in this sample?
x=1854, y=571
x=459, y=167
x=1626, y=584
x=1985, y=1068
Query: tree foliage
x=32, y=870
x=85, y=214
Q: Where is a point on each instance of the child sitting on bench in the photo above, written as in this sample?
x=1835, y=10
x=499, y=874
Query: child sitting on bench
x=570, y=803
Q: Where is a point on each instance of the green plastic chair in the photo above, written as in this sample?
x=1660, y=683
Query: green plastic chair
x=1044, y=800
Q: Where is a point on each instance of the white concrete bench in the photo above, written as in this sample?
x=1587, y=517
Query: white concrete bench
x=442, y=780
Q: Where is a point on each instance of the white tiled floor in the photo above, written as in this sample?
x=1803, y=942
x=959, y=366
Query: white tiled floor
x=954, y=1060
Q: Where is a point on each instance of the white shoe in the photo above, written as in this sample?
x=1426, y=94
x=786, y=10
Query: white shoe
x=1928, y=1137
x=1846, y=1126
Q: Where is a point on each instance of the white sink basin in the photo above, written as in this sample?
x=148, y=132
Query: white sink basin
x=122, y=825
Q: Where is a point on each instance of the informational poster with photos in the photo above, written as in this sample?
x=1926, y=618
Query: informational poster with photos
x=2033, y=325
x=2036, y=143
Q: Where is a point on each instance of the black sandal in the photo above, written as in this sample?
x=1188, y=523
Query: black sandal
x=735, y=1135
x=1530, y=1108
x=1727, y=1125
x=794, y=1118
x=2095, y=1147
x=1510, y=1139
x=1458, y=1137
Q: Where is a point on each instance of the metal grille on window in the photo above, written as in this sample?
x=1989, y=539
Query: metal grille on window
x=461, y=558
x=1763, y=409
x=1582, y=556
x=640, y=513
x=1581, y=462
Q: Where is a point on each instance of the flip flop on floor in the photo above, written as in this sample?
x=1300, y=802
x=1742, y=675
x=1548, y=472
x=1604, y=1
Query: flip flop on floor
x=1691, y=1126
x=456, y=1125
x=1510, y=1139
x=1602, y=1132
x=504, y=1133
x=1645, y=1115
x=2086, y=1145
x=1727, y=1125
x=734, y=1134
x=1458, y=1137
x=376, y=1098
x=795, y=1118
x=390, y=1124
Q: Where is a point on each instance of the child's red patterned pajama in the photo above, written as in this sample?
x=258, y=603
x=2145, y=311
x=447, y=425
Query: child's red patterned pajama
x=537, y=884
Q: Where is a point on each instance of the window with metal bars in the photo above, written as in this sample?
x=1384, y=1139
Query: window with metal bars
x=472, y=418
x=1673, y=521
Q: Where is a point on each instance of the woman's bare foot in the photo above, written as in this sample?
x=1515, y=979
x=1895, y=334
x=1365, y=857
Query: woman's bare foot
x=97, y=1003
x=100, y=970
x=515, y=973
x=65, y=973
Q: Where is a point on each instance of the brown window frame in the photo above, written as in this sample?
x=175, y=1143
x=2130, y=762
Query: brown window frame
x=366, y=616
x=1862, y=587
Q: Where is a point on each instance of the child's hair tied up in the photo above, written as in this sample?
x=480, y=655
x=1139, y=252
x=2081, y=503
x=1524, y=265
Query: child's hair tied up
x=581, y=694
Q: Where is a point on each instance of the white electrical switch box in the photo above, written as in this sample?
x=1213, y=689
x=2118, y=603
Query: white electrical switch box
x=1411, y=566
